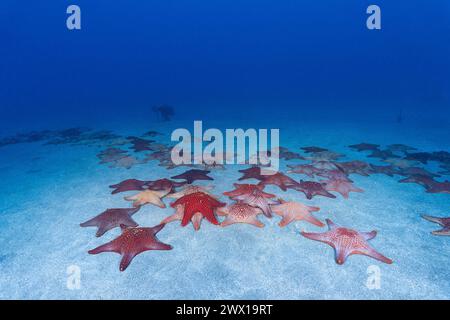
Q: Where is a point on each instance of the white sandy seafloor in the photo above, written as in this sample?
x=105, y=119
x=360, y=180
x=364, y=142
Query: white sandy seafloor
x=47, y=191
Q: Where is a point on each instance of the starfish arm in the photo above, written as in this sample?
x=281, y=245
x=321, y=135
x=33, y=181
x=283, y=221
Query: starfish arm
x=224, y=211
x=341, y=254
x=254, y=221
x=442, y=232
x=178, y=215
x=107, y=247
x=162, y=193
x=158, y=202
x=125, y=261
x=101, y=231
x=313, y=209
x=286, y=220
x=369, y=235
x=132, y=211
x=311, y=219
x=197, y=220
x=321, y=237
x=158, y=245
x=209, y=215
x=90, y=223
x=434, y=219
x=228, y=221
x=331, y=224
x=370, y=252
x=157, y=228
x=132, y=198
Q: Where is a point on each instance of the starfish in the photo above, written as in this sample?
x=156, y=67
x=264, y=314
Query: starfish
x=311, y=189
x=152, y=133
x=196, y=219
x=439, y=187
x=387, y=170
x=412, y=171
x=400, y=148
x=443, y=222
x=424, y=181
x=190, y=189
x=192, y=175
x=325, y=165
x=250, y=173
x=357, y=167
x=401, y=163
x=129, y=185
x=198, y=202
x=149, y=196
x=240, y=213
x=253, y=195
x=383, y=154
x=289, y=155
x=334, y=175
x=295, y=211
x=306, y=169
x=347, y=242
x=365, y=147
x=341, y=186
x=422, y=157
x=132, y=242
x=324, y=156
x=125, y=162
x=164, y=184
x=111, y=219
x=140, y=144
x=440, y=156
x=313, y=149
x=279, y=179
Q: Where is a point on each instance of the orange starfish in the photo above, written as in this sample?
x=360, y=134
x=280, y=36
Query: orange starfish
x=295, y=211
x=240, y=213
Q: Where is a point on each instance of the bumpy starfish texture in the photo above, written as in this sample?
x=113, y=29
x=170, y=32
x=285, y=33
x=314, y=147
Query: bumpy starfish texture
x=132, y=242
x=149, y=197
x=240, y=213
x=254, y=196
x=295, y=211
x=347, y=242
x=198, y=202
x=443, y=222
x=110, y=219
x=129, y=185
x=278, y=179
x=193, y=175
x=312, y=189
x=341, y=186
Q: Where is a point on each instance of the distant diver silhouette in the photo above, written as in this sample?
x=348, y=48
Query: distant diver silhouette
x=164, y=111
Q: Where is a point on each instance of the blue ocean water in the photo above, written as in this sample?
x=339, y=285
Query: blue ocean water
x=308, y=68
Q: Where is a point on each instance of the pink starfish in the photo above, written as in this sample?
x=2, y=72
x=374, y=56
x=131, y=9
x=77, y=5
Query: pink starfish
x=111, y=219
x=278, y=179
x=240, y=213
x=132, y=242
x=343, y=187
x=252, y=195
x=347, y=242
x=295, y=211
x=306, y=169
x=443, y=222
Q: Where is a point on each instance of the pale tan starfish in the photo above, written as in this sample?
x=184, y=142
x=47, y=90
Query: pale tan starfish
x=295, y=211
x=240, y=213
x=149, y=197
x=343, y=187
x=190, y=189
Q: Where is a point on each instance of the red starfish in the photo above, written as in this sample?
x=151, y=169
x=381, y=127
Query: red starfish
x=250, y=173
x=443, y=222
x=347, y=242
x=164, y=184
x=253, y=195
x=129, y=185
x=279, y=179
x=198, y=202
x=112, y=218
x=132, y=242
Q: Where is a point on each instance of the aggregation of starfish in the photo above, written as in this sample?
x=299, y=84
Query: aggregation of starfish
x=321, y=173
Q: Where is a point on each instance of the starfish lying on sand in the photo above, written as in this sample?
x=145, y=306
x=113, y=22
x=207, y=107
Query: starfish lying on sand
x=383, y=154
x=149, y=197
x=365, y=146
x=129, y=185
x=191, y=204
x=347, y=242
x=324, y=156
x=422, y=157
x=164, y=184
x=341, y=186
x=443, y=222
x=334, y=175
x=132, y=242
x=325, y=165
x=400, y=148
x=110, y=219
x=312, y=189
x=306, y=169
x=313, y=149
x=354, y=167
x=401, y=163
x=424, y=181
x=125, y=162
x=412, y=171
x=387, y=170
x=191, y=189
x=250, y=173
x=278, y=179
x=193, y=175
x=240, y=213
x=253, y=195
x=295, y=211
x=439, y=187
